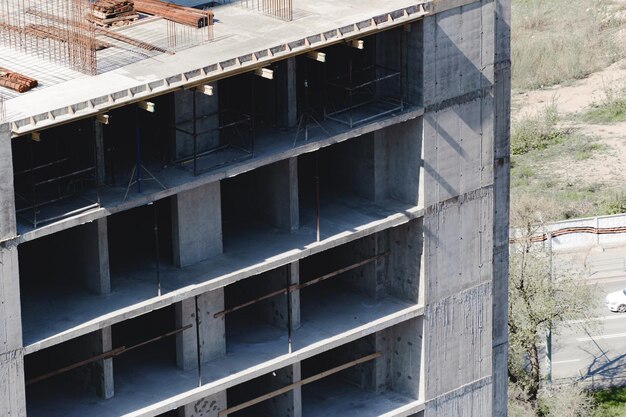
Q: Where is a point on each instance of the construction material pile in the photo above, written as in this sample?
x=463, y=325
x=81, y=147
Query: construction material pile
x=16, y=81
x=175, y=13
x=107, y=13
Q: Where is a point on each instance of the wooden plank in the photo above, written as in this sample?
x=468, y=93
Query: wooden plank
x=298, y=384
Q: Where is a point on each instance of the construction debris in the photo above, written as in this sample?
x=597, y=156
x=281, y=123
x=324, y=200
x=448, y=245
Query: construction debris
x=175, y=13
x=16, y=81
x=107, y=13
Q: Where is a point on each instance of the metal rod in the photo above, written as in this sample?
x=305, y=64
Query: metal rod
x=198, y=344
x=195, y=136
x=317, y=192
x=138, y=149
x=296, y=287
x=73, y=366
x=32, y=178
x=156, y=251
x=298, y=384
x=288, y=294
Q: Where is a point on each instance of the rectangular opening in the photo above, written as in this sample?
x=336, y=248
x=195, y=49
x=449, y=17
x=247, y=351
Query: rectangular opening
x=257, y=312
x=255, y=202
x=54, y=376
x=367, y=389
x=55, y=173
x=151, y=347
x=140, y=245
x=359, y=80
x=136, y=145
x=363, y=175
x=247, y=393
x=55, y=271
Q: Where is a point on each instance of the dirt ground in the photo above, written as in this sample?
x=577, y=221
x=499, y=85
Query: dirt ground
x=607, y=166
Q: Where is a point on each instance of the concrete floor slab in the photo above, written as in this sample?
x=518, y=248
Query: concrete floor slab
x=59, y=313
x=258, y=350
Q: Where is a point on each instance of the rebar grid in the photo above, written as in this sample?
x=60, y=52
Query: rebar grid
x=57, y=30
x=282, y=9
x=181, y=36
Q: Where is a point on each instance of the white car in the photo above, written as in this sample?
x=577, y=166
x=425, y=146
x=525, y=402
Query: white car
x=616, y=301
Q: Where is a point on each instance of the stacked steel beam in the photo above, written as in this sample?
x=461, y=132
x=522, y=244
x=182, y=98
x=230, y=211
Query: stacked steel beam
x=16, y=81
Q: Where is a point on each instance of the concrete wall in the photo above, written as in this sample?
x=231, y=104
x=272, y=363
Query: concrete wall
x=466, y=198
x=12, y=392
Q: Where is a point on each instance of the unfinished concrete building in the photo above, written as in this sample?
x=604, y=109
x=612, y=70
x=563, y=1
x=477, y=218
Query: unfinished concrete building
x=300, y=212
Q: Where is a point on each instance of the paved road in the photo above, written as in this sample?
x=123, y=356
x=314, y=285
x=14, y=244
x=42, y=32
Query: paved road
x=599, y=356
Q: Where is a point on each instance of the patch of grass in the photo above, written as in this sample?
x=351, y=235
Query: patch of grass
x=611, y=109
x=559, y=40
x=537, y=132
x=610, y=402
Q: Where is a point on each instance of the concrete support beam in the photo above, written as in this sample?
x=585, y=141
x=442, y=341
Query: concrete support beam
x=98, y=129
x=12, y=391
x=291, y=109
x=297, y=393
x=212, y=330
x=102, y=371
x=196, y=224
x=207, y=119
x=501, y=171
x=206, y=407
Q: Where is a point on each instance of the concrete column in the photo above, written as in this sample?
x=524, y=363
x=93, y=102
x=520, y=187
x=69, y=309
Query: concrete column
x=212, y=330
x=196, y=224
x=297, y=392
x=404, y=264
x=99, y=138
x=291, y=110
x=459, y=220
x=12, y=390
x=502, y=105
x=207, y=407
x=207, y=120
x=276, y=188
x=102, y=371
x=283, y=405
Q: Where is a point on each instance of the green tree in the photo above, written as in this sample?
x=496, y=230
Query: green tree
x=538, y=301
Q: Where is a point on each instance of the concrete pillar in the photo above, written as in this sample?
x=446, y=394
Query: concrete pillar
x=297, y=392
x=196, y=224
x=207, y=120
x=12, y=390
x=102, y=371
x=404, y=264
x=291, y=103
x=502, y=105
x=459, y=222
x=207, y=407
x=276, y=188
x=212, y=330
x=99, y=138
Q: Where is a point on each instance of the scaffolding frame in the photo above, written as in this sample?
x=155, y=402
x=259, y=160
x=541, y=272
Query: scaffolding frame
x=65, y=182
x=365, y=82
x=229, y=121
